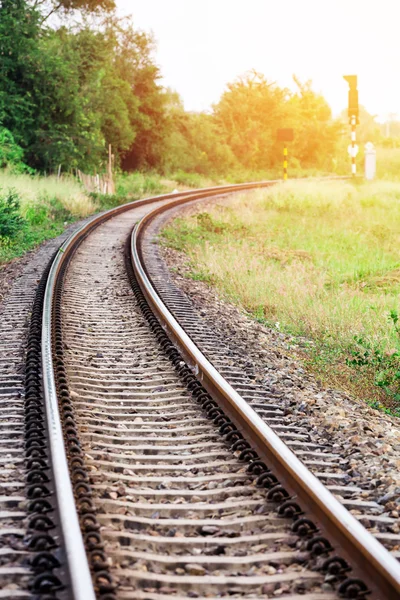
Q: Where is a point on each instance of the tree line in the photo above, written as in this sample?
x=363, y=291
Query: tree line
x=75, y=78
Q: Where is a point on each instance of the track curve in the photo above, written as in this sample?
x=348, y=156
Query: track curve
x=168, y=481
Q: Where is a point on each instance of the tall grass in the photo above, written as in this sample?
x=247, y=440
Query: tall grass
x=138, y=185
x=48, y=204
x=35, y=190
x=388, y=163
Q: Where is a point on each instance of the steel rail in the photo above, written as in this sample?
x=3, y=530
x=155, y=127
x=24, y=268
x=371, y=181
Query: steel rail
x=76, y=560
x=77, y=563
x=369, y=559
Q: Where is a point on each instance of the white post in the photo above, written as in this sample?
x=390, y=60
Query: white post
x=370, y=161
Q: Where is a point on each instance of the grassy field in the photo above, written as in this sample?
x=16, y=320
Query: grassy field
x=34, y=209
x=43, y=206
x=319, y=260
x=46, y=205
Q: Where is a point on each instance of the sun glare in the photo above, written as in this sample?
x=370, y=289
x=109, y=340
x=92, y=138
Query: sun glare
x=203, y=45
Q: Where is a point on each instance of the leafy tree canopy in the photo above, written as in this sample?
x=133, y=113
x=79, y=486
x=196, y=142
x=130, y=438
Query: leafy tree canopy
x=66, y=94
x=68, y=91
x=252, y=109
x=49, y=7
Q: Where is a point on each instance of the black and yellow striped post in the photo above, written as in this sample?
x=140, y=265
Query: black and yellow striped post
x=285, y=155
x=353, y=145
x=353, y=112
x=285, y=135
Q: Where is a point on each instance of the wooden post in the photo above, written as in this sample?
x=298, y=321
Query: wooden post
x=111, y=188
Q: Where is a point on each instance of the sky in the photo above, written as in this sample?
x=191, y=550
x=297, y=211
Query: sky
x=204, y=44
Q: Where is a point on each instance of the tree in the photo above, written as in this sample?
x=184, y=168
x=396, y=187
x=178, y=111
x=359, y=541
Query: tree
x=252, y=109
x=50, y=7
x=317, y=133
x=66, y=94
x=134, y=64
x=194, y=142
x=40, y=103
x=19, y=58
x=11, y=154
x=248, y=115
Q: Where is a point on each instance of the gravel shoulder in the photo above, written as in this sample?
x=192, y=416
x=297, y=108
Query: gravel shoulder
x=367, y=438
x=11, y=271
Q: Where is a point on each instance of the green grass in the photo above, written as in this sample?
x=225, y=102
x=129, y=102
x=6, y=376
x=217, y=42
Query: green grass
x=388, y=163
x=315, y=259
x=139, y=185
x=46, y=206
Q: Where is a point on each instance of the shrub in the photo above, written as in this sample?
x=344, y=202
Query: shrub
x=36, y=215
x=11, y=221
x=10, y=152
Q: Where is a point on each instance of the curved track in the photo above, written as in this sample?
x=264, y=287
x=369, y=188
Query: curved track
x=173, y=474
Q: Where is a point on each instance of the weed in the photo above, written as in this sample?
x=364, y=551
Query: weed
x=385, y=364
x=11, y=221
x=201, y=276
x=393, y=412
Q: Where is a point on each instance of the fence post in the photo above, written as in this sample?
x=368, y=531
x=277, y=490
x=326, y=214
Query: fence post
x=111, y=189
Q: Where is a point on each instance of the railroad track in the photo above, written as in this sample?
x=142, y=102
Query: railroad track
x=156, y=466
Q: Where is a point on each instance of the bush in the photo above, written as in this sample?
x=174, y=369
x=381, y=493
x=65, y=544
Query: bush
x=11, y=221
x=10, y=152
x=45, y=210
x=36, y=215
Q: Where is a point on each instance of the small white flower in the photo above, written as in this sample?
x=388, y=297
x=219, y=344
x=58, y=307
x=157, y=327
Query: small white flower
x=277, y=325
